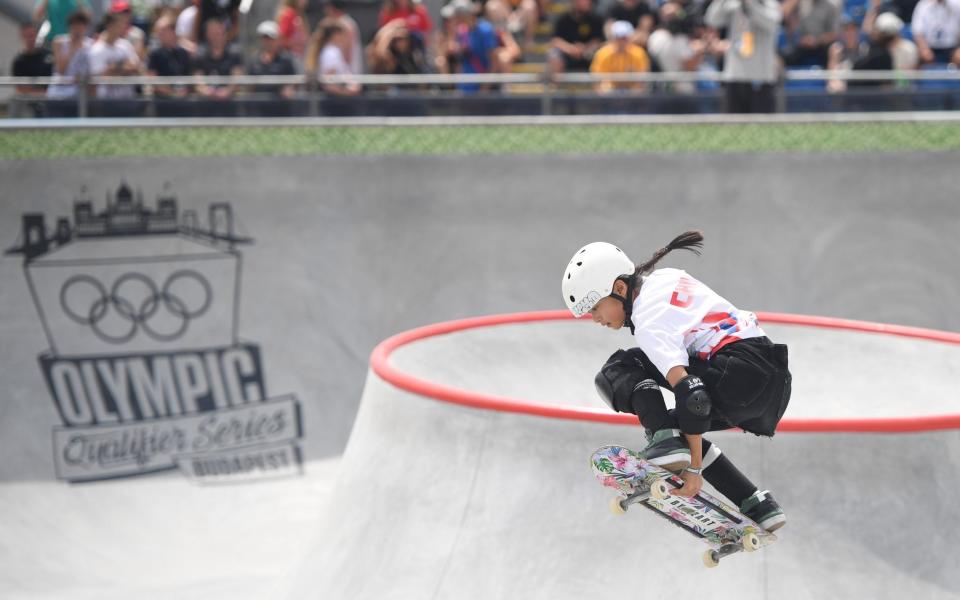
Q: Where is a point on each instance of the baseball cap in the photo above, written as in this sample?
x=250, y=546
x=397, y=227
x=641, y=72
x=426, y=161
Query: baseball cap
x=888, y=23
x=269, y=29
x=119, y=6
x=458, y=7
x=621, y=29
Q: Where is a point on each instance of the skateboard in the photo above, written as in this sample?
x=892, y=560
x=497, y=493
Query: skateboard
x=636, y=481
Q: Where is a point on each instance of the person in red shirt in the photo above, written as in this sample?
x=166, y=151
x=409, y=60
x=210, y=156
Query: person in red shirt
x=293, y=29
x=413, y=13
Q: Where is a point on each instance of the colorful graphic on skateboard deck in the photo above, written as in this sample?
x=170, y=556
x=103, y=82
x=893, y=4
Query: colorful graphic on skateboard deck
x=636, y=481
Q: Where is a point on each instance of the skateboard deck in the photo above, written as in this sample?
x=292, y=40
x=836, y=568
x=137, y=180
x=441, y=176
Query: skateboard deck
x=725, y=529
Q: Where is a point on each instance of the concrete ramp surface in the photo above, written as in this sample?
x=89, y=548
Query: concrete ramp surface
x=480, y=496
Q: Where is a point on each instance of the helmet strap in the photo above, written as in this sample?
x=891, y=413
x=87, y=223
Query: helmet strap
x=631, y=281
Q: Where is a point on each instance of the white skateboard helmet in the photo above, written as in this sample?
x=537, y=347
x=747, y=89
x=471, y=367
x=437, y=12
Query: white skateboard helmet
x=590, y=275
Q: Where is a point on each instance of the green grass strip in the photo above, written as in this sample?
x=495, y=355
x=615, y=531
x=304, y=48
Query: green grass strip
x=479, y=140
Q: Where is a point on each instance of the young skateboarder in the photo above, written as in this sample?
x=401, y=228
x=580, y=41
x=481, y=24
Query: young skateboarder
x=723, y=370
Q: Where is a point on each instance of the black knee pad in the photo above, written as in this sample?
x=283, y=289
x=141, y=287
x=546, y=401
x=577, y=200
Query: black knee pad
x=693, y=405
x=626, y=385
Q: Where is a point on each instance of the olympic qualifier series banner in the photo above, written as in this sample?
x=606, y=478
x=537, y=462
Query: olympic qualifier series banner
x=144, y=366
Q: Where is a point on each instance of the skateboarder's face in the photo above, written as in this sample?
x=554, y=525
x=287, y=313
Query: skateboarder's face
x=609, y=311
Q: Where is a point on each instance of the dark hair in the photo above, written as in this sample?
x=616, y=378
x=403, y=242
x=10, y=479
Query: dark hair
x=326, y=29
x=216, y=21
x=79, y=16
x=688, y=240
x=109, y=19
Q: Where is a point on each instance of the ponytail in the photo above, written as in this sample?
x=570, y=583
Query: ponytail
x=320, y=38
x=688, y=240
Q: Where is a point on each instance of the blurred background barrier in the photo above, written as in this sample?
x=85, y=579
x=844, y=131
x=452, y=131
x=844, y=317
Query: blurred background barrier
x=800, y=91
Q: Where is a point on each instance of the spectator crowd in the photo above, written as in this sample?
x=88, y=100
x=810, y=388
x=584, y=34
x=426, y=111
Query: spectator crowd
x=749, y=41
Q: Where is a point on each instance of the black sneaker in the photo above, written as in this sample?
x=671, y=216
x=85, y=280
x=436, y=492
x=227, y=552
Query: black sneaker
x=667, y=449
x=762, y=508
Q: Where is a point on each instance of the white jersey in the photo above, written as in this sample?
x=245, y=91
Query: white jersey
x=103, y=56
x=938, y=22
x=186, y=21
x=676, y=317
x=332, y=61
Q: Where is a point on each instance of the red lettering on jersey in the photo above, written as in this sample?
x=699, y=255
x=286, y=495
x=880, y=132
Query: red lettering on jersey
x=683, y=296
x=717, y=316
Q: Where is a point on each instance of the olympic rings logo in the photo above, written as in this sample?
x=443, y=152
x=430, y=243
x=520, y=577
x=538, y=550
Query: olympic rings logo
x=135, y=302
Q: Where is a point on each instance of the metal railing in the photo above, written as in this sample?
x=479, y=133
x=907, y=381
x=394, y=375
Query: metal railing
x=311, y=89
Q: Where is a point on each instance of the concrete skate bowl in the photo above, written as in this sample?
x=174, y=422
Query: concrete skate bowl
x=467, y=474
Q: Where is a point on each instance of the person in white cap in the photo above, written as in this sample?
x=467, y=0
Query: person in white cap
x=904, y=52
x=272, y=59
x=723, y=370
x=472, y=42
x=620, y=55
x=882, y=54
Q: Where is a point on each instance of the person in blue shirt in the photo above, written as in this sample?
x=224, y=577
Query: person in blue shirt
x=472, y=40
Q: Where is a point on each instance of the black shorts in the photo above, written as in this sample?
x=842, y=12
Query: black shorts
x=749, y=384
x=571, y=64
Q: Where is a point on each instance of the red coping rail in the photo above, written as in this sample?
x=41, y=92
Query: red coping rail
x=380, y=363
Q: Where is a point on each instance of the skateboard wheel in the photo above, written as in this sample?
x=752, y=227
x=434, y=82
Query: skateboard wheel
x=750, y=542
x=711, y=559
x=660, y=490
x=616, y=507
